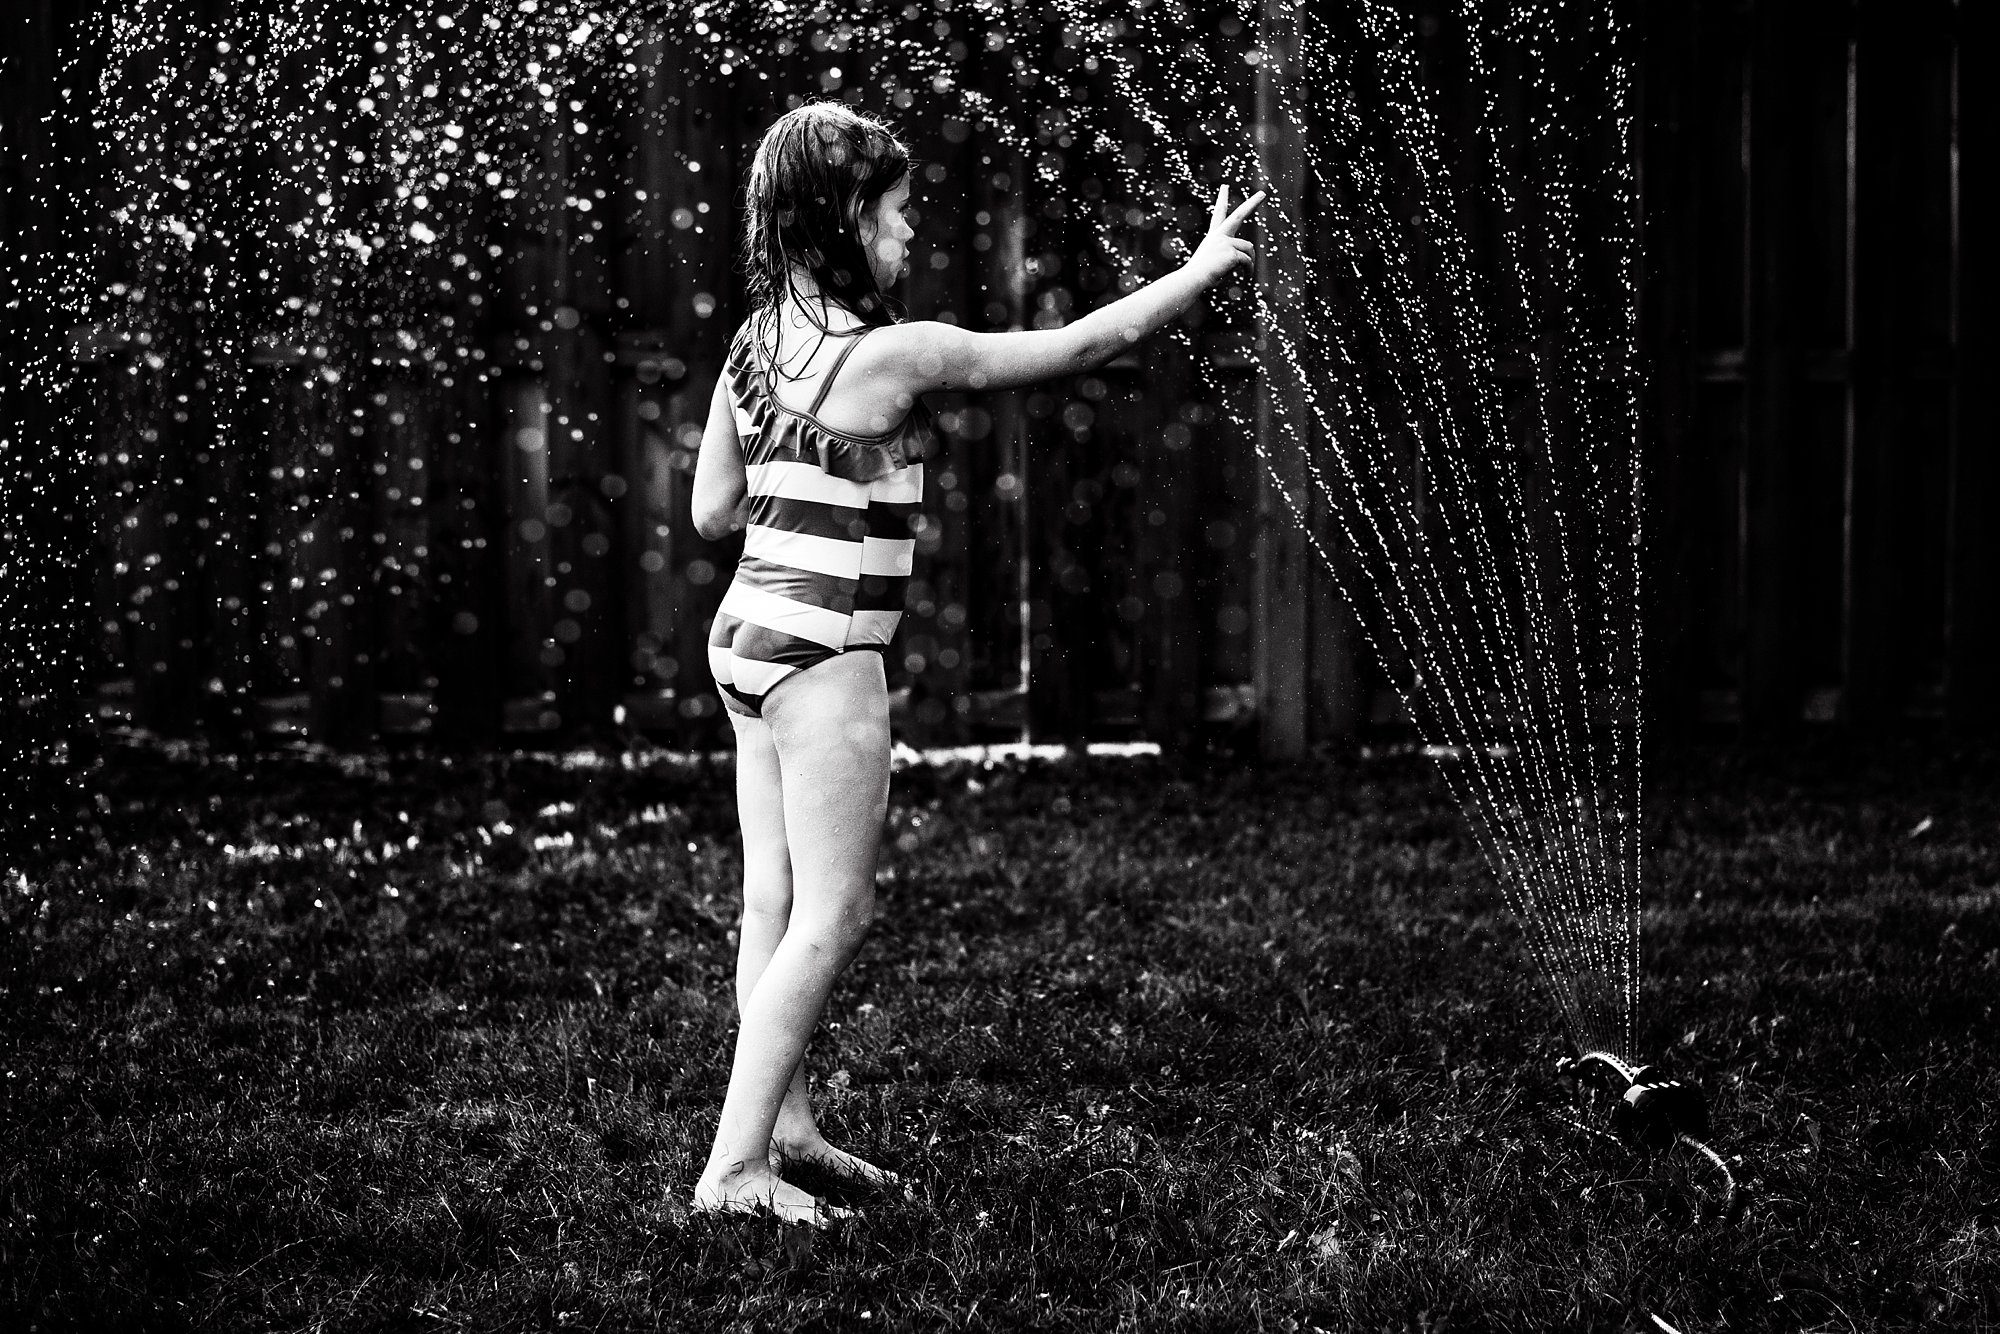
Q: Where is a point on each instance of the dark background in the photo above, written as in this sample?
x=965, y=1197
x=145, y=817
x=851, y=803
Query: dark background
x=1819, y=455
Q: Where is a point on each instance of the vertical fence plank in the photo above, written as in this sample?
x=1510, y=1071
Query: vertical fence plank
x=1171, y=537
x=124, y=525
x=405, y=449
x=1973, y=655
x=1901, y=519
x=566, y=378
x=1066, y=646
x=997, y=596
x=931, y=647
x=1669, y=205
x=167, y=555
x=536, y=355
x=223, y=649
x=647, y=540
x=528, y=702
x=467, y=535
x=274, y=382
x=342, y=564
x=1282, y=618
x=704, y=183
x=1769, y=679
x=1720, y=297
x=588, y=627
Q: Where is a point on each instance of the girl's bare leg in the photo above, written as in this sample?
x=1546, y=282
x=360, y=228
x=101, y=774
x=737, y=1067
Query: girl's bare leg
x=767, y=910
x=767, y=878
x=830, y=729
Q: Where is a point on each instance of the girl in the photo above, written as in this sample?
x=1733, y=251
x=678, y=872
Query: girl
x=814, y=444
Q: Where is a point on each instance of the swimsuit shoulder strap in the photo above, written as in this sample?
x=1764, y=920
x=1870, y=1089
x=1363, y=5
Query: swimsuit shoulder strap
x=833, y=370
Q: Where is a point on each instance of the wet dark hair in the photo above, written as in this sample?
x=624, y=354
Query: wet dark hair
x=818, y=169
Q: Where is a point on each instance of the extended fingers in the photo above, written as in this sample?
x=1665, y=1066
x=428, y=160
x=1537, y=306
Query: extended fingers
x=1221, y=209
x=1243, y=210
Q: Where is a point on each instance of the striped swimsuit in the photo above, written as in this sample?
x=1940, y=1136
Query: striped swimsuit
x=828, y=550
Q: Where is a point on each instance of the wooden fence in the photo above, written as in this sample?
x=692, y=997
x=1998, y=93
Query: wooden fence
x=497, y=546
x=1820, y=289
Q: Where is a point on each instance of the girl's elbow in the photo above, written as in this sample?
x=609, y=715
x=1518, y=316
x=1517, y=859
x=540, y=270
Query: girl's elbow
x=713, y=521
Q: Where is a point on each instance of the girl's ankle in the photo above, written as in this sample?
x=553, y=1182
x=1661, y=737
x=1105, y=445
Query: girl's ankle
x=731, y=1168
x=784, y=1137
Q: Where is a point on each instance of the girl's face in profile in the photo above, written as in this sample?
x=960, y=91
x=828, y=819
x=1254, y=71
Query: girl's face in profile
x=886, y=234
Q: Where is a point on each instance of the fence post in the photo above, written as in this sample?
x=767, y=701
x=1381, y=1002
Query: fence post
x=936, y=713
x=1282, y=621
x=701, y=187
x=1170, y=536
x=158, y=554
x=997, y=476
x=467, y=533
x=397, y=668
x=1769, y=672
x=648, y=543
x=266, y=432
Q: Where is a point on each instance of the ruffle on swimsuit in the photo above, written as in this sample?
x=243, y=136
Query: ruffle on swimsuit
x=853, y=458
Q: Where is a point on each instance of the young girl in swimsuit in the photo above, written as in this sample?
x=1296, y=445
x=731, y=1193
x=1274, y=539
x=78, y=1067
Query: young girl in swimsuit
x=814, y=446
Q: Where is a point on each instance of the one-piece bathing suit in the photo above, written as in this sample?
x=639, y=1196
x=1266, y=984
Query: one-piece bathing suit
x=829, y=546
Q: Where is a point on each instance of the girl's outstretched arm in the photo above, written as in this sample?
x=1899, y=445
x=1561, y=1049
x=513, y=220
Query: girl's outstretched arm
x=928, y=355
x=721, y=488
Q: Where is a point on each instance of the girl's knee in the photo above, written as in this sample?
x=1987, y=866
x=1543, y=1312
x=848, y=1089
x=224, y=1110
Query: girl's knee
x=771, y=909
x=860, y=912
x=842, y=927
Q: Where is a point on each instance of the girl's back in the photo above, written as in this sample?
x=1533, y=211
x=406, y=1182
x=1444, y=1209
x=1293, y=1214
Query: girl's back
x=829, y=542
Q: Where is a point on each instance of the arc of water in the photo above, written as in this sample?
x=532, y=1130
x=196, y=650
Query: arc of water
x=1423, y=344
x=1497, y=850
x=1623, y=690
x=1371, y=511
x=1501, y=854
x=1586, y=797
x=1587, y=943
x=1583, y=627
x=1627, y=195
x=1478, y=798
x=1420, y=132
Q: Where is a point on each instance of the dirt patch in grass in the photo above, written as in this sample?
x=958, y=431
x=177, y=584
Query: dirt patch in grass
x=403, y=1043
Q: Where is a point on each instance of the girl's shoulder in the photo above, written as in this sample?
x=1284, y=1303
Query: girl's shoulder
x=905, y=341
x=751, y=347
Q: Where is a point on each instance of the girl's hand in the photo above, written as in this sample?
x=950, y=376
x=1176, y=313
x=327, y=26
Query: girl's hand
x=1222, y=249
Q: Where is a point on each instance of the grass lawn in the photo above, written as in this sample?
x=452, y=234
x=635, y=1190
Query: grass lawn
x=407, y=1044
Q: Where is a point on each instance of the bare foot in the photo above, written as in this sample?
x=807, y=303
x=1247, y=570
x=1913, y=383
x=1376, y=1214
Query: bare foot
x=735, y=1189
x=813, y=1148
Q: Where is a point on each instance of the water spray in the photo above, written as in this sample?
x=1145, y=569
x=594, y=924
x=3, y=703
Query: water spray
x=1657, y=1112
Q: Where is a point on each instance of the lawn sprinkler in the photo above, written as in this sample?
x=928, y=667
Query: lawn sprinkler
x=1657, y=1112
